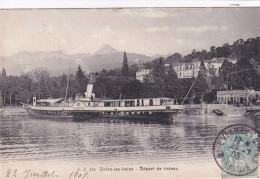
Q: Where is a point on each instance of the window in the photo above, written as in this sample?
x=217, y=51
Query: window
x=151, y=102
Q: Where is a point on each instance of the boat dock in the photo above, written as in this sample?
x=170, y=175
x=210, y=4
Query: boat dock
x=192, y=109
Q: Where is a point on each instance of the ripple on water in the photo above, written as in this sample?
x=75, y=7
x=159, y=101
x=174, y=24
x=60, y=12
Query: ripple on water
x=188, y=139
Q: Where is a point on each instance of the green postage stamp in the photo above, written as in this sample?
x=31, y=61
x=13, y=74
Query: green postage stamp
x=236, y=150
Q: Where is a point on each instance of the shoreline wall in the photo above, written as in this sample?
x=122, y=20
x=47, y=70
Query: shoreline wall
x=227, y=109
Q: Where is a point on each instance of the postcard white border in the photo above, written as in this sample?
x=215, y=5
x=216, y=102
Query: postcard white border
x=13, y=4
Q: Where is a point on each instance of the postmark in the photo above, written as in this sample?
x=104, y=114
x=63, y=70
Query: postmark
x=236, y=150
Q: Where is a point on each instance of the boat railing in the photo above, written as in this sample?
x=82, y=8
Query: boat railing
x=66, y=104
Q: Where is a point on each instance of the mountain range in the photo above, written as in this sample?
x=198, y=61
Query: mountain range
x=57, y=62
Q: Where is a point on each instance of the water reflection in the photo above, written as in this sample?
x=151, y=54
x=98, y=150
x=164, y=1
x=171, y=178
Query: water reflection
x=188, y=138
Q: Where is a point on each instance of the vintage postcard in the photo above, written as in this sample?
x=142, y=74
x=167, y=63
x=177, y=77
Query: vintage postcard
x=129, y=93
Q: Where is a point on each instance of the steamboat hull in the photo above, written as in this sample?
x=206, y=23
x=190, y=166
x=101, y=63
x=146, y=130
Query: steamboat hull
x=49, y=113
x=155, y=115
x=83, y=115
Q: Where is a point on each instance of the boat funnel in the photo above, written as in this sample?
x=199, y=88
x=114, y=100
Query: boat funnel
x=88, y=93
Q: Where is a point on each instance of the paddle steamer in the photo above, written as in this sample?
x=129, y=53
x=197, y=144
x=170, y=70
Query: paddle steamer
x=87, y=107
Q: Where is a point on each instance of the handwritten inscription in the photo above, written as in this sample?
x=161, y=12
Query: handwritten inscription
x=44, y=174
x=27, y=174
x=78, y=173
x=11, y=173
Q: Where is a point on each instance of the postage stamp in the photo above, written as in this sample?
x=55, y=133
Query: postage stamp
x=236, y=150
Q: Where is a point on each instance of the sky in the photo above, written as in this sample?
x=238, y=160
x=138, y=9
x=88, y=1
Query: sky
x=147, y=31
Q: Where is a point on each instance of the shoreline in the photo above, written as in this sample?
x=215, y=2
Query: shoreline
x=201, y=109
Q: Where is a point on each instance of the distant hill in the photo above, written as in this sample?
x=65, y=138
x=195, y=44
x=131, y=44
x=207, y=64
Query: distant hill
x=58, y=62
x=159, y=55
x=106, y=49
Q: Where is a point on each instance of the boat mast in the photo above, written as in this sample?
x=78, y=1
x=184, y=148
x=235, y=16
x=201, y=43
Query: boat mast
x=189, y=90
x=67, y=85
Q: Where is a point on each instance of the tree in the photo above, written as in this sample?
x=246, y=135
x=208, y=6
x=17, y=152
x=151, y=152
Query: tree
x=171, y=83
x=153, y=89
x=203, y=55
x=133, y=69
x=80, y=76
x=223, y=51
x=107, y=86
x=183, y=86
x=82, y=80
x=1, y=99
x=175, y=58
x=131, y=88
x=237, y=48
x=63, y=85
x=201, y=86
x=218, y=82
x=159, y=68
x=225, y=69
x=125, y=66
x=4, y=85
x=13, y=87
x=212, y=49
x=41, y=80
x=3, y=73
x=43, y=88
x=24, y=89
x=241, y=78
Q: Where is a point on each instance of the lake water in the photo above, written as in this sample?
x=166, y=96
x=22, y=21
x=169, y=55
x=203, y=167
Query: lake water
x=187, y=139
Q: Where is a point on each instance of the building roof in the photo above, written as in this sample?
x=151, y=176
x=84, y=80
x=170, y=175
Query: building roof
x=134, y=99
x=219, y=60
x=236, y=92
x=175, y=64
x=52, y=101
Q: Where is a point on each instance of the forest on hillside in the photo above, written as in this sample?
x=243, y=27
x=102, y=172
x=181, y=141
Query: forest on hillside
x=163, y=82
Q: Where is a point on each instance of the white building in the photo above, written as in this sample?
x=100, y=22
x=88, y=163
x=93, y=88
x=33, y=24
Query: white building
x=187, y=70
x=215, y=63
x=233, y=96
x=141, y=74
